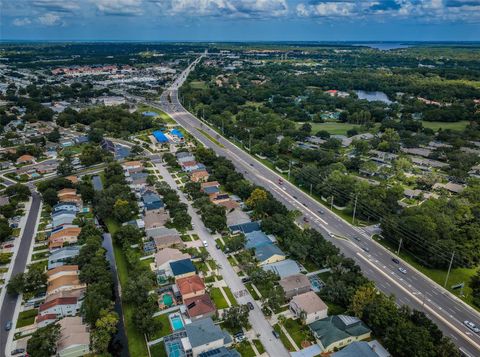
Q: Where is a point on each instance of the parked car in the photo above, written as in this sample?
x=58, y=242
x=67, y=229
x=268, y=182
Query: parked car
x=402, y=270
x=246, y=279
x=305, y=219
x=356, y=238
x=395, y=260
x=205, y=244
x=321, y=211
x=239, y=337
x=366, y=249
x=18, y=351
x=471, y=326
x=250, y=305
x=217, y=246
x=275, y=333
x=8, y=325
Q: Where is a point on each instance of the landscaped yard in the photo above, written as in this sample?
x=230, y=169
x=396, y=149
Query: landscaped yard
x=245, y=349
x=165, y=327
x=334, y=128
x=158, y=350
x=218, y=298
x=298, y=332
x=436, y=125
x=26, y=318
x=259, y=346
x=284, y=338
x=251, y=291
x=232, y=299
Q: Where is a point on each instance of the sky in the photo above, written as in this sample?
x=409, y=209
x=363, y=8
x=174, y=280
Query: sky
x=240, y=20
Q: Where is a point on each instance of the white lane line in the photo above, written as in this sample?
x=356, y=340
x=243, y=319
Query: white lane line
x=425, y=306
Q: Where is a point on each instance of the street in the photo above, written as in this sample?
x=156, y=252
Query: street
x=412, y=289
x=8, y=307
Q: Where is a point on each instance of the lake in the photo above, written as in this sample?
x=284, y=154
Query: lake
x=384, y=46
x=373, y=96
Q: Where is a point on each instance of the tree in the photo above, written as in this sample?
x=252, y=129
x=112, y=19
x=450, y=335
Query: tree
x=5, y=230
x=105, y=328
x=236, y=317
x=50, y=197
x=128, y=235
x=19, y=191
x=122, y=210
x=363, y=297
x=257, y=196
x=43, y=342
x=65, y=167
x=30, y=283
x=91, y=155
x=54, y=136
x=235, y=243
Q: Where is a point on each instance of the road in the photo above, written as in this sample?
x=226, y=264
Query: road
x=8, y=307
x=412, y=289
x=258, y=321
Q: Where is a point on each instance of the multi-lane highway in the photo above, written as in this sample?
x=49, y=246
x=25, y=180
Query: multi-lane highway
x=412, y=289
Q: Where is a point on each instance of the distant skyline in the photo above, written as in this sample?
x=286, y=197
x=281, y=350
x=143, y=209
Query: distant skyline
x=240, y=20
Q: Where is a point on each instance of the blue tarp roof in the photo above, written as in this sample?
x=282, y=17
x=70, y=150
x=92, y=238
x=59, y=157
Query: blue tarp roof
x=176, y=132
x=161, y=138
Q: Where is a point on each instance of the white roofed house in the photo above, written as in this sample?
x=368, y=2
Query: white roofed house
x=74, y=338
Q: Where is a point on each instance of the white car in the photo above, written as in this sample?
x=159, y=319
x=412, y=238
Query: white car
x=402, y=270
x=471, y=326
x=205, y=244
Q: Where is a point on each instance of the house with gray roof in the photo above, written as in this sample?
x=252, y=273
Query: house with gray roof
x=335, y=332
x=256, y=239
x=363, y=349
x=268, y=254
x=284, y=268
x=60, y=256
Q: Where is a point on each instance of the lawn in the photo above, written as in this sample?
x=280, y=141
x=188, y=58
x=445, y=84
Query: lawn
x=245, y=349
x=232, y=261
x=158, y=350
x=218, y=298
x=283, y=338
x=334, y=128
x=146, y=262
x=161, y=114
x=252, y=291
x=26, y=318
x=198, y=84
x=436, y=125
x=457, y=275
x=229, y=293
x=259, y=346
x=165, y=327
x=297, y=331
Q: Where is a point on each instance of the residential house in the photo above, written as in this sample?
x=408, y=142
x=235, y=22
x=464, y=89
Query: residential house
x=245, y=227
x=137, y=179
x=72, y=178
x=64, y=283
x=60, y=218
x=294, y=285
x=210, y=188
x=165, y=256
x=60, y=256
x=199, y=175
x=221, y=352
x=284, y=268
x=190, y=286
x=182, y=268
x=256, y=239
x=66, y=192
x=132, y=166
x=363, y=349
x=155, y=219
x=59, y=238
x=308, y=307
x=165, y=237
x=184, y=157
x=65, y=206
x=475, y=171
x=200, y=336
x=269, y=253
x=199, y=307
x=63, y=271
x=60, y=307
x=45, y=320
x=25, y=159
x=74, y=338
x=152, y=201
x=334, y=332
x=450, y=186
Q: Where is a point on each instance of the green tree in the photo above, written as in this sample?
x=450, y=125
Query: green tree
x=105, y=328
x=5, y=230
x=236, y=317
x=43, y=342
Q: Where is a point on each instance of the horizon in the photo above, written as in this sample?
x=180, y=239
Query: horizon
x=240, y=20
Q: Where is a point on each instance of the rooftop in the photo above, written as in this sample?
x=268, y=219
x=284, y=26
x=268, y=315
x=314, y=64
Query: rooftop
x=181, y=267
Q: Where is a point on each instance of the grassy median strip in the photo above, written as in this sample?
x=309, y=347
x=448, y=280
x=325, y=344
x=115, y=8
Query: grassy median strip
x=211, y=138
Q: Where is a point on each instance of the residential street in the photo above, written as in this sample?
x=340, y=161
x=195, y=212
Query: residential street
x=9, y=303
x=258, y=321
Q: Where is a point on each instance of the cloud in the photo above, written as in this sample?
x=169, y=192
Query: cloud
x=22, y=21
x=50, y=19
x=225, y=8
x=57, y=5
x=120, y=7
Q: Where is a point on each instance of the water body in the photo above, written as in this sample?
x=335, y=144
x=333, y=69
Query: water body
x=373, y=96
x=384, y=46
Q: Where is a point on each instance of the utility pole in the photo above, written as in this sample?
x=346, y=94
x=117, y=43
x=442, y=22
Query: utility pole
x=399, y=246
x=331, y=204
x=250, y=143
x=223, y=131
x=449, y=268
x=311, y=189
x=355, y=209
x=289, y=169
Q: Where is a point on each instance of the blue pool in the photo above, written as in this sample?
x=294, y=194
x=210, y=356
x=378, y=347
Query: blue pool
x=176, y=322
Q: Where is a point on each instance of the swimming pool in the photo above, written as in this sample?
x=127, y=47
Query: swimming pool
x=176, y=321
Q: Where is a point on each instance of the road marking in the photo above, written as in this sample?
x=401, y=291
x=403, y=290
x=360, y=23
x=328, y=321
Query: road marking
x=419, y=301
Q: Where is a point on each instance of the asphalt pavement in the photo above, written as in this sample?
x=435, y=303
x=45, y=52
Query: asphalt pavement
x=9, y=303
x=412, y=289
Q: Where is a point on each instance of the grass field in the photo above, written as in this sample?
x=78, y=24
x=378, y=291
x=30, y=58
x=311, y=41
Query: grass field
x=245, y=349
x=218, y=298
x=158, y=350
x=26, y=318
x=457, y=275
x=333, y=128
x=198, y=84
x=164, y=330
x=436, y=125
x=161, y=114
